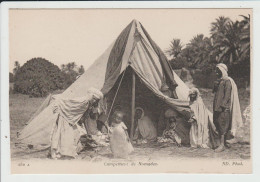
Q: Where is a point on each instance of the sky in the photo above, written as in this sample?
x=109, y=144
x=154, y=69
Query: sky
x=82, y=35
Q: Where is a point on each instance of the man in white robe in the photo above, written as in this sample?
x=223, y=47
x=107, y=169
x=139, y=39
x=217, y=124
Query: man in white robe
x=66, y=131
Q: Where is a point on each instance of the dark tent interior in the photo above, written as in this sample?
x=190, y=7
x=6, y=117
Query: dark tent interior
x=144, y=98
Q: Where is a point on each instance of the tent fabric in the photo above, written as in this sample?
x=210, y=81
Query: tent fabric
x=71, y=109
x=38, y=131
x=182, y=106
x=182, y=90
x=164, y=61
x=134, y=48
x=146, y=62
x=45, y=103
x=115, y=59
x=94, y=76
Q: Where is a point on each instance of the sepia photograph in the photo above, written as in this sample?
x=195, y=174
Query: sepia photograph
x=114, y=91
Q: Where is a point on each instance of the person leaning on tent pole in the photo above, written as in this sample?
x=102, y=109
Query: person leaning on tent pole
x=227, y=115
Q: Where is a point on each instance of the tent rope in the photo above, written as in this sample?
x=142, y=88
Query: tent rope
x=115, y=96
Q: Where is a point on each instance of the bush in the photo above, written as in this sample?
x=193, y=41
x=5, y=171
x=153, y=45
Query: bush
x=178, y=63
x=11, y=77
x=203, y=78
x=38, y=77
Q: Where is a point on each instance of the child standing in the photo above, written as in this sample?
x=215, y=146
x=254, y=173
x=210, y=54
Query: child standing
x=119, y=140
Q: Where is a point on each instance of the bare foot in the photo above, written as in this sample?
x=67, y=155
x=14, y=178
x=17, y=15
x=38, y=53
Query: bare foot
x=221, y=148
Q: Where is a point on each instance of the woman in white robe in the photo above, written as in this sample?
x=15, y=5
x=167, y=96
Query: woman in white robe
x=200, y=121
x=145, y=126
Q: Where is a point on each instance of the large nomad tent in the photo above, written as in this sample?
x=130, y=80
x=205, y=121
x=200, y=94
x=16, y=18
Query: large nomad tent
x=131, y=72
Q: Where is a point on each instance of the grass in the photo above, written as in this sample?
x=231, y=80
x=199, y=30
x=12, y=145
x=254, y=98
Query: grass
x=22, y=108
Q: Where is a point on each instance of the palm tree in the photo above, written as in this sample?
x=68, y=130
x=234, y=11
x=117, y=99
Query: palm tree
x=245, y=38
x=219, y=27
x=175, y=48
x=200, y=50
x=229, y=43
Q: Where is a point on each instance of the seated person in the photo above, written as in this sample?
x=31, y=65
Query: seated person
x=177, y=127
x=145, y=128
x=162, y=121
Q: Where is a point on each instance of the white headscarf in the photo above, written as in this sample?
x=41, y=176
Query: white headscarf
x=235, y=105
x=194, y=91
x=95, y=93
x=139, y=108
x=223, y=68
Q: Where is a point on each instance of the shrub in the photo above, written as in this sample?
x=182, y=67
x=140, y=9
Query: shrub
x=11, y=77
x=38, y=77
x=178, y=63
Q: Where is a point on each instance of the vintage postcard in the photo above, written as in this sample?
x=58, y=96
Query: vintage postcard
x=123, y=91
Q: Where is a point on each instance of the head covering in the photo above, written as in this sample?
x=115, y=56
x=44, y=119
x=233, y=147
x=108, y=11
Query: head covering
x=223, y=68
x=139, y=108
x=95, y=93
x=194, y=91
x=222, y=65
x=170, y=113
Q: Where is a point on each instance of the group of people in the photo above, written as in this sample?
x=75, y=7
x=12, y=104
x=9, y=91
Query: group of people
x=201, y=130
x=216, y=132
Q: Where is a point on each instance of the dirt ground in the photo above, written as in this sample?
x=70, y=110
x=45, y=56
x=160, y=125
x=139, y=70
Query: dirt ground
x=22, y=108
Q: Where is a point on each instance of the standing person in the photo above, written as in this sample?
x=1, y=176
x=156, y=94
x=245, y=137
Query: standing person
x=119, y=140
x=200, y=121
x=227, y=114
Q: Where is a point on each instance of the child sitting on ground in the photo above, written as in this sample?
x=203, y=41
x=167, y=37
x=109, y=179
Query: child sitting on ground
x=119, y=140
x=177, y=128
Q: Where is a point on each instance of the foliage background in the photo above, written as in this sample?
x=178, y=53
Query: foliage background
x=229, y=43
x=38, y=77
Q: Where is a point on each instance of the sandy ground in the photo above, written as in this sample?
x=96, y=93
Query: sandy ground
x=22, y=108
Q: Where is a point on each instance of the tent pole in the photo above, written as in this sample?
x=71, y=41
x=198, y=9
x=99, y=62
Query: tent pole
x=133, y=106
